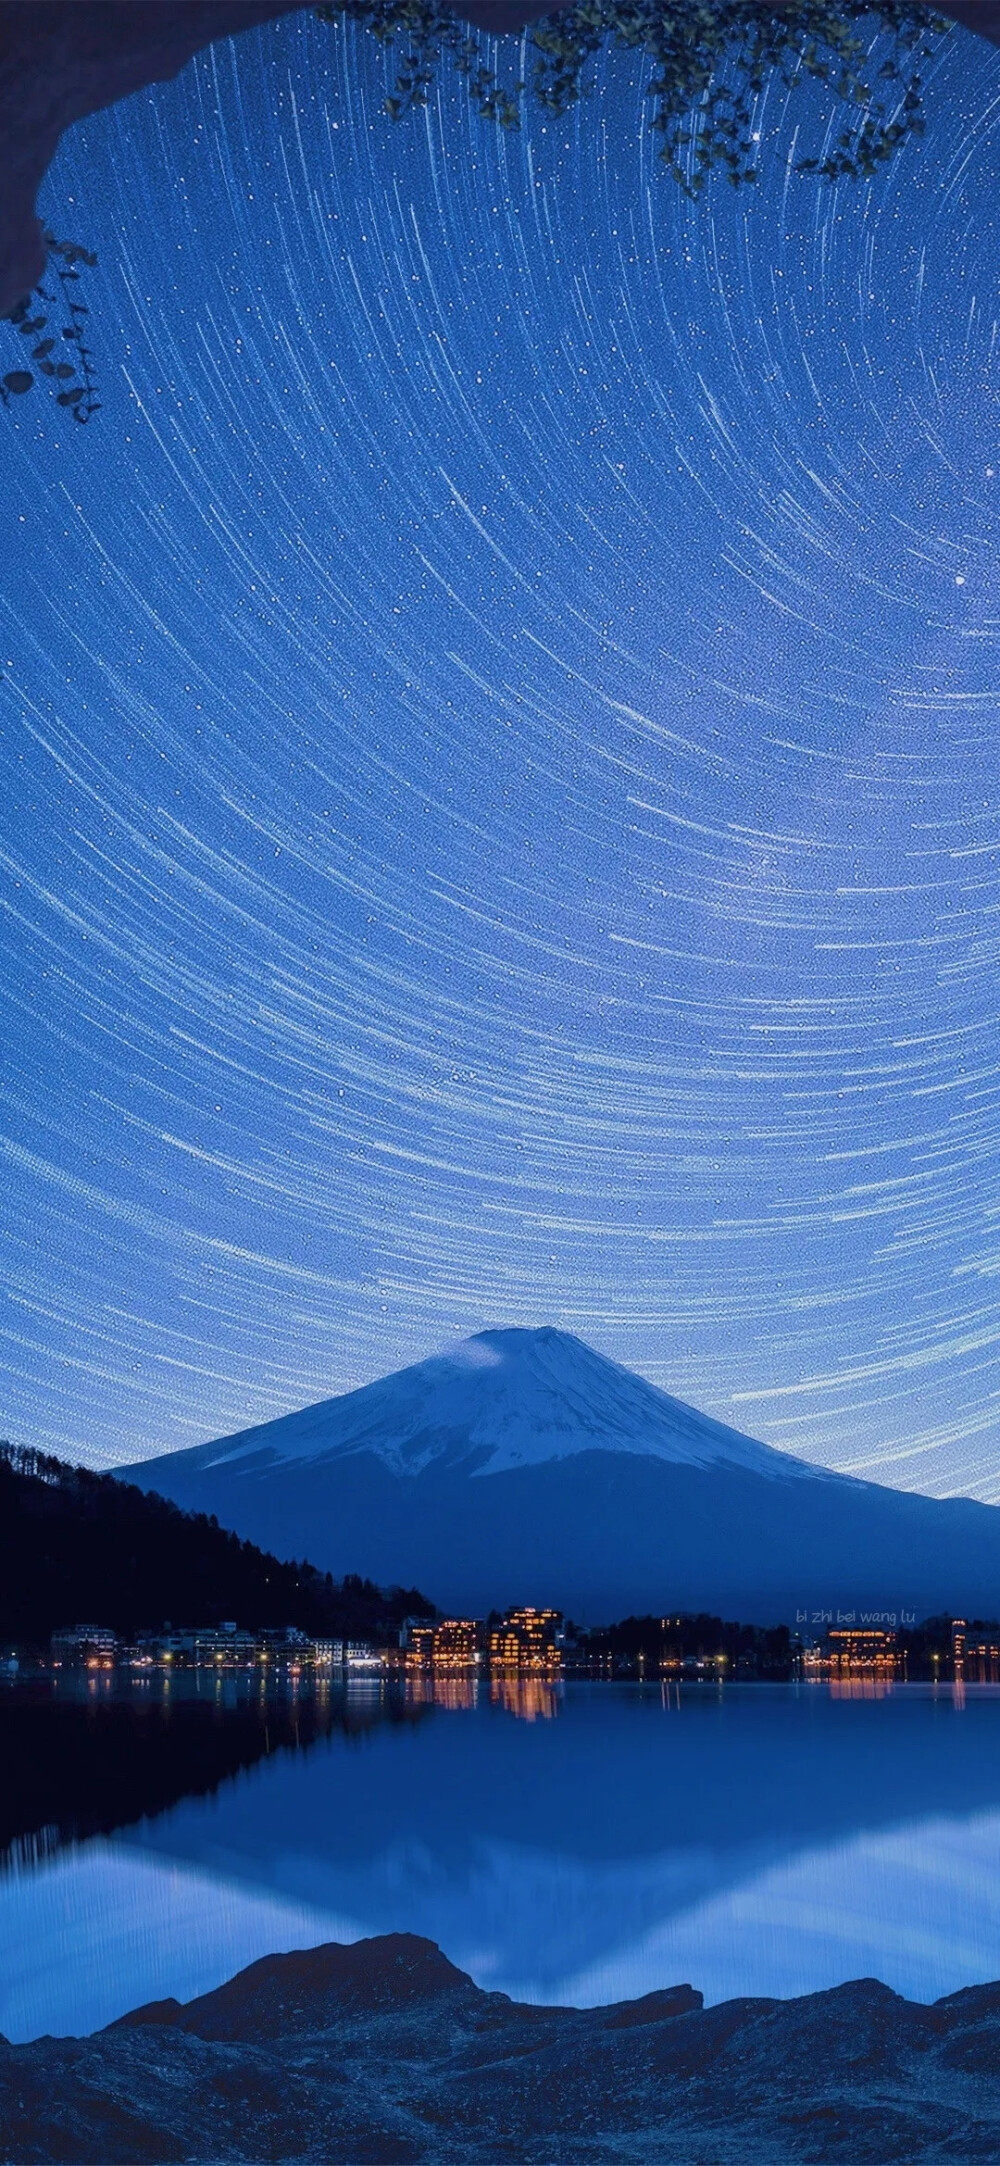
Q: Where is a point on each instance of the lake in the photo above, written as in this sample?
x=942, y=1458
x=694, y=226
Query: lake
x=580, y=1844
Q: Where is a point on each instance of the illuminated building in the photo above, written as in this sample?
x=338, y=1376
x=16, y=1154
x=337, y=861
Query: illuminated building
x=454, y=1644
x=976, y=1655
x=94, y=1645
x=527, y=1639
x=226, y=1646
x=418, y=1644
x=362, y=1655
x=859, y=1661
x=858, y=1650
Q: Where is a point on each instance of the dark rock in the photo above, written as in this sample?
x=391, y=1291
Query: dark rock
x=384, y=2054
x=971, y=2003
x=674, y=2001
x=284, y=1995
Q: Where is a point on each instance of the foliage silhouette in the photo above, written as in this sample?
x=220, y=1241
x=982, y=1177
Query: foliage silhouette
x=709, y=62
x=69, y=367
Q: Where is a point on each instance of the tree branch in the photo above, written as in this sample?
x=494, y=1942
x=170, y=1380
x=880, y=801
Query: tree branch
x=62, y=59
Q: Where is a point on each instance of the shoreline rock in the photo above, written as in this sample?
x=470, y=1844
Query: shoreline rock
x=384, y=2054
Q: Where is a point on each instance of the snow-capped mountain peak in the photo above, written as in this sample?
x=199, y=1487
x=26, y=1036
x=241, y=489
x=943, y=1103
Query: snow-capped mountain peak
x=501, y=1400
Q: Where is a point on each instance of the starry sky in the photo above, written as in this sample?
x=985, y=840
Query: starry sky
x=500, y=767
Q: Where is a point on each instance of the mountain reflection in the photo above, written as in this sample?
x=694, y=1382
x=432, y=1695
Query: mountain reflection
x=84, y=1754
x=81, y=1756
x=752, y=1840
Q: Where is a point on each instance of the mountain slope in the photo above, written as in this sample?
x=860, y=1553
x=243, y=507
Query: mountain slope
x=501, y=1400
x=525, y=1467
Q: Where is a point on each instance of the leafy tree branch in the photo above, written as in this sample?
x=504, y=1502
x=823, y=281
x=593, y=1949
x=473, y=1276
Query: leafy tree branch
x=60, y=353
x=708, y=62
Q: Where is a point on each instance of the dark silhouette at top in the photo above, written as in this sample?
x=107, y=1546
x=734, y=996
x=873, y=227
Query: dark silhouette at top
x=63, y=59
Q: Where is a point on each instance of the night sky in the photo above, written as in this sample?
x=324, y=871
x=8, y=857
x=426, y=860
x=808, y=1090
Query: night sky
x=500, y=767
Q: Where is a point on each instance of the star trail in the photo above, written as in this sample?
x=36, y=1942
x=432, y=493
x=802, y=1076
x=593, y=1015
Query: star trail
x=501, y=778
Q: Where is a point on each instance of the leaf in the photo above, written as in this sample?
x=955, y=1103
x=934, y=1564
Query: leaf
x=69, y=398
x=18, y=380
x=38, y=353
x=63, y=369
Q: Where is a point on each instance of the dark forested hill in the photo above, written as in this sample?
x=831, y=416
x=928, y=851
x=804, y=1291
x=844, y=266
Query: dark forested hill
x=77, y=1546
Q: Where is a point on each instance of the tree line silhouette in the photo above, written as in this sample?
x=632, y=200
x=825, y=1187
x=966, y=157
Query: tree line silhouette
x=77, y=1546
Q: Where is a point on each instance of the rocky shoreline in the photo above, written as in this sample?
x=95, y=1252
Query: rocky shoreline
x=383, y=2054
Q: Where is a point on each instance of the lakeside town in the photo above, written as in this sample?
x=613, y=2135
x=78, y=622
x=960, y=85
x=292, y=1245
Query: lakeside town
x=539, y=1643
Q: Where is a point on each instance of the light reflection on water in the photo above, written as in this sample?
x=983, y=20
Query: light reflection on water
x=578, y=1844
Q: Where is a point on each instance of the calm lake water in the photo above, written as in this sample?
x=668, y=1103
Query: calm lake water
x=578, y=1845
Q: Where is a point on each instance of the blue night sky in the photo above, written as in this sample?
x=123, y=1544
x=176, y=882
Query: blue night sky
x=500, y=768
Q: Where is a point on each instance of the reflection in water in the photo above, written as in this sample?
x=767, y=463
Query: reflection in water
x=84, y=1754
x=754, y=1840
x=866, y=1687
x=104, y=1928
x=454, y=1691
x=528, y=1698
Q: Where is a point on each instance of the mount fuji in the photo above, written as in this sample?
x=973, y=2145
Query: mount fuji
x=524, y=1467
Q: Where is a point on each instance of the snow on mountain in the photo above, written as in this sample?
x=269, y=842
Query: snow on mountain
x=522, y=1466
x=501, y=1400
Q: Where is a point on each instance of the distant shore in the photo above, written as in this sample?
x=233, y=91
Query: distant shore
x=537, y=1645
